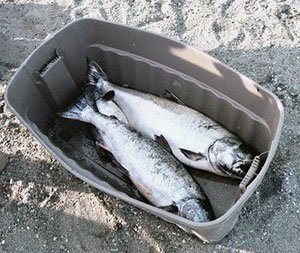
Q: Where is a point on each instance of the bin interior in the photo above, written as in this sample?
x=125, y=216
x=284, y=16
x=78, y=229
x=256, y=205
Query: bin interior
x=52, y=77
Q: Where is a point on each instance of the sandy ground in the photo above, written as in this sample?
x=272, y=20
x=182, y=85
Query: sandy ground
x=43, y=208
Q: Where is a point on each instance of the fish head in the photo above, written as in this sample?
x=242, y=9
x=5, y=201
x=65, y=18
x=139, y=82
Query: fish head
x=195, y=210
x=230, y=157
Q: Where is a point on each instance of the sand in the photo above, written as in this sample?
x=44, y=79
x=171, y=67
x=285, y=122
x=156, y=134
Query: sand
x=43, y=208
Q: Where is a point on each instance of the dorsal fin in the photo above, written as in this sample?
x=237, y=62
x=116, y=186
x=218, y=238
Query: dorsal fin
x=172, y=97
x=163, y=142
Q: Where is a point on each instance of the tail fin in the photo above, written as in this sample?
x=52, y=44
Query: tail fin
x=81, y=109
x=94, y=73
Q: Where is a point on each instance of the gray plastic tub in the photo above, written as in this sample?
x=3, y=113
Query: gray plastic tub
x=52, y=75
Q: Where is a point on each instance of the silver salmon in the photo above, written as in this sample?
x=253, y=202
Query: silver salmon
x=192, y=138
x=159, y=176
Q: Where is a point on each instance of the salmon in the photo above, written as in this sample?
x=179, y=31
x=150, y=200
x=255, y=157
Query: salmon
x=193, y=138
x=158, y=175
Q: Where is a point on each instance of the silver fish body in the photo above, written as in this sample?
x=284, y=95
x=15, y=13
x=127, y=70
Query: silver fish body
x=156, y=173
x=193, y=138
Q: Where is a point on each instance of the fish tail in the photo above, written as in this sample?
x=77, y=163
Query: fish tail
x=82, y=109
x=95, y=74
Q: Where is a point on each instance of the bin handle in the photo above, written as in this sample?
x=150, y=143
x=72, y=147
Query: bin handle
x=250, y=175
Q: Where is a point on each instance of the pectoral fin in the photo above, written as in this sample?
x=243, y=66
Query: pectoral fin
x=192, y=155
x=172, y=97
x=122, y=170
x=104, y=153
x=163, y=142
x=101, y=144
x=171, y=208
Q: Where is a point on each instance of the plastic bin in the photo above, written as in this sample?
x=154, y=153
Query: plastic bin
x=52, y=76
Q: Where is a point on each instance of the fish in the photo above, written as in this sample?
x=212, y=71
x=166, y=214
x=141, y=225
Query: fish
x=193, y=138
x=158, y=175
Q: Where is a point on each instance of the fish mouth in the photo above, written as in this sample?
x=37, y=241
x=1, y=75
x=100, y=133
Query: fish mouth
x=238, y=170
x=243, y=164
x=241, y=167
